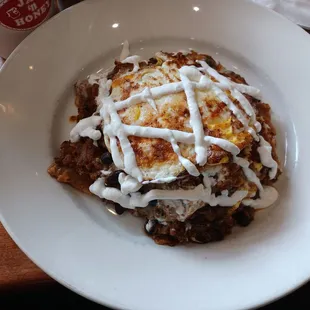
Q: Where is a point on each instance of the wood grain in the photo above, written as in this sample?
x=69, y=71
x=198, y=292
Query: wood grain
x=16, y=269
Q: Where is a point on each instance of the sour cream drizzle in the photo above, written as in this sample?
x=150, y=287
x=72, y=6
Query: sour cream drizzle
x=114, y=129
x=265, y=153
x=226, y=84
x=160, y=180
x=86, y=127
x=130, y=164
x=128, y=183
x=179, y=136
x=236, y=90
x=133, y=60
x=187, y=164
x=249, y=173
x=142, y=200
x=195, y=118
x=267, y=197
x=125, y=51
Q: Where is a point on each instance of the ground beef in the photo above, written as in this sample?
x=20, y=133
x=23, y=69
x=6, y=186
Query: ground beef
x=78, y=164
x=232, y=177
x=85, y=99
x=83, y=156
x=71, y=177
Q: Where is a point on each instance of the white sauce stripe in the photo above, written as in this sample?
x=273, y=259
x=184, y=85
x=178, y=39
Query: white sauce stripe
x=267, y=198
x=156, y=92
x=86, y=127
x=128, y=183
x=195, y=117
x=179, y=136
x=249, y=173
x=161, y=180
x=225, y=83
x=115, y=153
x=250, y=90
x=265, y=153
x=130, y=164
x=231, y=106
x=125, y=51
x=187, y=164
x=166, y=89
x=144, y=96
x=135, y=200
x=149, y=99
x=160, y=91
x=224, y=144
x=235, y=110
x=133, y=60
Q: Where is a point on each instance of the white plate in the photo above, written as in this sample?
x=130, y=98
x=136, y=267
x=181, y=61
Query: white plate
x=109, y=259
x=296, y=10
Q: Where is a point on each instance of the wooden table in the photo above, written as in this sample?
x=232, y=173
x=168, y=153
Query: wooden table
x=16, y=270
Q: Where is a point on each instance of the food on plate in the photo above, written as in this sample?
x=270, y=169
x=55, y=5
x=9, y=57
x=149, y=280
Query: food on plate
x=177, y=140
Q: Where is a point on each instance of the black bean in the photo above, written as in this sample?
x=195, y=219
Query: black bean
x=152, y=61
x=150, y=226
x=245, y=216
x=203, y=234
x=119, y=209
x=106, y=158
x=112, y=179
x=153, y=203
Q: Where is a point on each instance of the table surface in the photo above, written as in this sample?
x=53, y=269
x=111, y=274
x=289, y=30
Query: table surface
x=16, y=270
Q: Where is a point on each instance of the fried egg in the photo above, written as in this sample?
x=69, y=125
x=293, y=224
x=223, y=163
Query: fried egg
x=155, y=157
